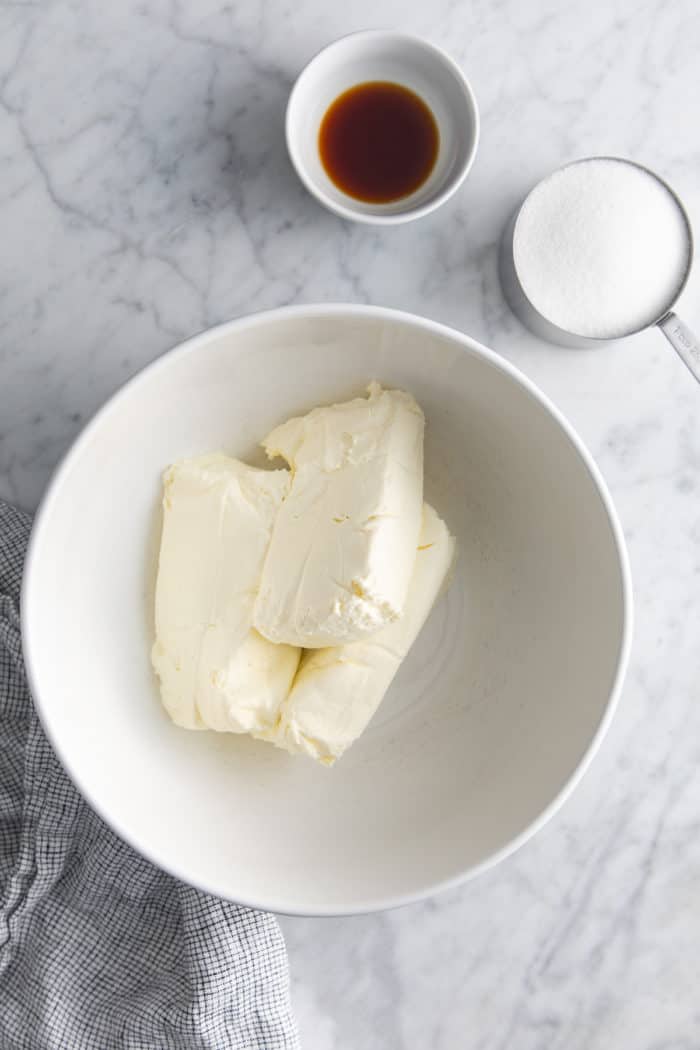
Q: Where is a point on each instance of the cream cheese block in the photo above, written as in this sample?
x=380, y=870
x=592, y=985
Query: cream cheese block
x=341, y=555
x=215, y=670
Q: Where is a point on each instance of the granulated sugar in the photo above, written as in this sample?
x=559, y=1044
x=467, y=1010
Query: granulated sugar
x=601, y=248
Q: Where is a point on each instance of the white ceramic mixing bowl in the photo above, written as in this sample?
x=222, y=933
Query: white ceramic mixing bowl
x=499, y=706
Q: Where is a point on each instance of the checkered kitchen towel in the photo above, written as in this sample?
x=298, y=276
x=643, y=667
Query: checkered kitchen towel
x=99, y=949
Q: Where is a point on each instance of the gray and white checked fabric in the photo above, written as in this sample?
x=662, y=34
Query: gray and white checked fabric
x=99, y=950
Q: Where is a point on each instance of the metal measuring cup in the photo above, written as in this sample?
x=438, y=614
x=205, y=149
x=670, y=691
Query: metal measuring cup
x=683, y=341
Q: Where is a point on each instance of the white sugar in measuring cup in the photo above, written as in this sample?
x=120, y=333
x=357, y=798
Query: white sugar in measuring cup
x=599, y=250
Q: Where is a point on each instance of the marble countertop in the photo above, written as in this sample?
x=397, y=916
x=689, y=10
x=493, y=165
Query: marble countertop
x=145, y=194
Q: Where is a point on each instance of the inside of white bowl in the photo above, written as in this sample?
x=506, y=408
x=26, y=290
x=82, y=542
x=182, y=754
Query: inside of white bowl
x=490, y=718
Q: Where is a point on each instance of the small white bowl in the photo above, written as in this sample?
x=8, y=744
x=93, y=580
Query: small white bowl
x=425, y=69
x=500, y=705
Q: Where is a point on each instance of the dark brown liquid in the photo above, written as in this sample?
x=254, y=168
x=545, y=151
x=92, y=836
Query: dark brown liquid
x=378, y=142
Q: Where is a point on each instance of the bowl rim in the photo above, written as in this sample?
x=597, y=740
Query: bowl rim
x=352, y=212
x=41, y=524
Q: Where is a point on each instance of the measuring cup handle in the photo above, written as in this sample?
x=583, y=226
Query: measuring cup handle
x=683, y=341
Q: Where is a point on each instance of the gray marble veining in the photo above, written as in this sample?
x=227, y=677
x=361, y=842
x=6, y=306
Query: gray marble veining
x=145, y=194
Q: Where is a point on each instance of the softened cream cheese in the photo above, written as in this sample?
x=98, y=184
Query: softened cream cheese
x=341, y=555
x=215, y=670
